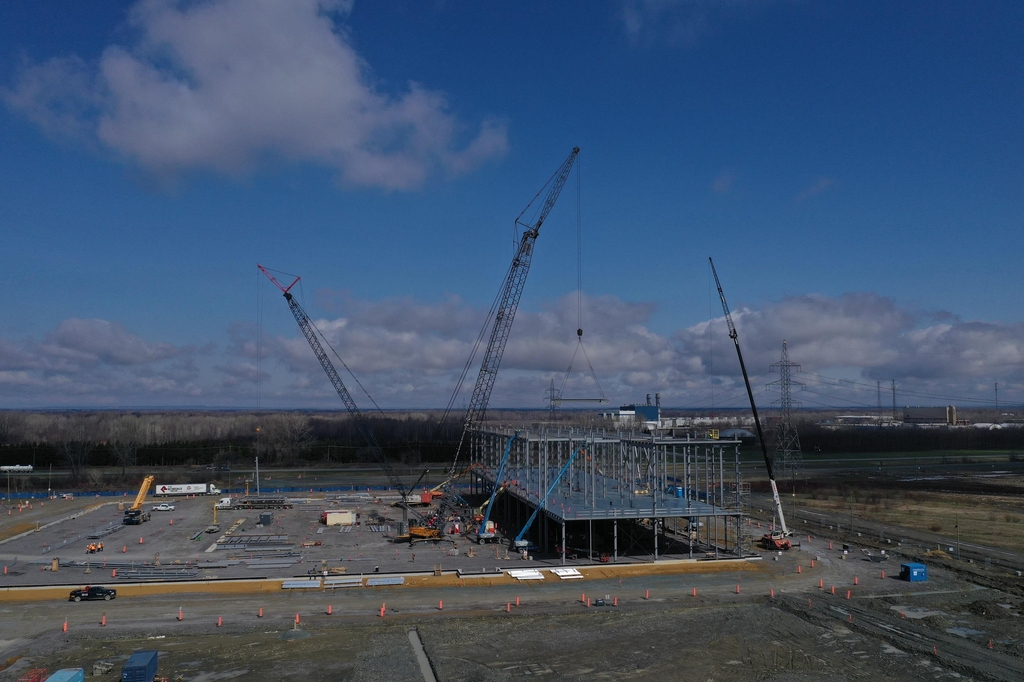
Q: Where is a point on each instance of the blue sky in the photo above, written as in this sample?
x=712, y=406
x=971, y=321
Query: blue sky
x=853, y=167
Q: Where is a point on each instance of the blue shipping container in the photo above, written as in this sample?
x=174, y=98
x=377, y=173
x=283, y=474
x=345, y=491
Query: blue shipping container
x=914, y=573
x=141, y=667
x=68, y=675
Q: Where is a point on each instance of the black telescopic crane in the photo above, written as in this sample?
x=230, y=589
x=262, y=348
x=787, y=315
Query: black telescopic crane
x=505, y=309
x=306, y=326
x=753, y=407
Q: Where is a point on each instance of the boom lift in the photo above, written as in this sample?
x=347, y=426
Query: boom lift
x=413, y=533
x=483, y=533
x=503, y=311
x=134, y=515
x=776, y=539
x=519, y=543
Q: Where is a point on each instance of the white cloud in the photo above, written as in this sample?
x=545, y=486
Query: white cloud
x=814, y=189
x=409, y=354
x=681, y=21
x=226, y=85
x=724, y=182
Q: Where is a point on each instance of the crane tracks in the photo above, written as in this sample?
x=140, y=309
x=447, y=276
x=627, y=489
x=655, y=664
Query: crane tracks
x=961, y=654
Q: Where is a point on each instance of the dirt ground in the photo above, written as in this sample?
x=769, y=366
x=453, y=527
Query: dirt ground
x=814, y=613
x=757, y=639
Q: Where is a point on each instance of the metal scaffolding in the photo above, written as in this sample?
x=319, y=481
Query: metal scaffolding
x=624, y=493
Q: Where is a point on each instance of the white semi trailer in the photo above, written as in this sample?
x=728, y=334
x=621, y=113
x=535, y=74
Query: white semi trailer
x=186, y=489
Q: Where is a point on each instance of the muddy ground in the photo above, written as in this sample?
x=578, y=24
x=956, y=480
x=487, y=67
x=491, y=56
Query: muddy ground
x=756, y=639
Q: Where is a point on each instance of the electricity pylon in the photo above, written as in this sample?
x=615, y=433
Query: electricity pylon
x=787, y=440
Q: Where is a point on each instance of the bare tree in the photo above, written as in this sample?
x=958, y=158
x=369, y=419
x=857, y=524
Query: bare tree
x=76, y=454
x=289, y=435
x=9, y=422
x=125, y=442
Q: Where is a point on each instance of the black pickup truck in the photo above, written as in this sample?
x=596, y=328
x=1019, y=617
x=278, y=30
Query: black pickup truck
x=93, y=592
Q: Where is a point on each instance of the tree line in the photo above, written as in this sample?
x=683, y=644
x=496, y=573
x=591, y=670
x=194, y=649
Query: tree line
x=76, y=441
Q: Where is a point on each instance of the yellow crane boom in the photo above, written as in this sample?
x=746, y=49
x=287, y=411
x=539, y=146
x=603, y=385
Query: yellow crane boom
x=143, y=491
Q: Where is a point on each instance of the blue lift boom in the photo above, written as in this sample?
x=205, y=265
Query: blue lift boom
x=482, y=533
x=519, y=542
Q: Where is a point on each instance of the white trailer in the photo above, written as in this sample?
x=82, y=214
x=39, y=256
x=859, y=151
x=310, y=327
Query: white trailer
x=338, y=517
x=186, y=489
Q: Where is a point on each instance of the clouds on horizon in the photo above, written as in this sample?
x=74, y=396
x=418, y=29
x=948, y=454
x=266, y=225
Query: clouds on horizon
x=409, y=354
x=226, y=85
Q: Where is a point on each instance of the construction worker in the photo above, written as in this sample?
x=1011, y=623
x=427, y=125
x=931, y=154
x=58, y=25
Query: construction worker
x=99, y=547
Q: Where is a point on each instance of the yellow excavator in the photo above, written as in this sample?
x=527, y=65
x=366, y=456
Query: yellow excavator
x=134, y=515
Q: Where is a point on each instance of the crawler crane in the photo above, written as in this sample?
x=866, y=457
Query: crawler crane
x=503, y=311
x=778, y=538
x=415, y=532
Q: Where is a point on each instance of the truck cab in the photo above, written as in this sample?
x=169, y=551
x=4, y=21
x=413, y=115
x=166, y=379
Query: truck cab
x=134, y=517
x=224, y=503
x=776, y=540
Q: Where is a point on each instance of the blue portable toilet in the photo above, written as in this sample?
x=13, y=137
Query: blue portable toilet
x=915, y=573
x=140, y=667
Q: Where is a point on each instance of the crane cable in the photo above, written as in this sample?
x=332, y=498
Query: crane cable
x=579, y=293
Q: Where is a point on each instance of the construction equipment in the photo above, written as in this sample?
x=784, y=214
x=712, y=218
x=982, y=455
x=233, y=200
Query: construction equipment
x=134, y=515
x=417, y=532
x=519, y=543
x=777, y=538
x=503, y=312
x=484, y=533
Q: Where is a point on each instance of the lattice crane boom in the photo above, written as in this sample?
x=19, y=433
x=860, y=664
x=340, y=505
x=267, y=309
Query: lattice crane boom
x=511, y=293
x=753, y=406
x=307, y=329
x=505, y=312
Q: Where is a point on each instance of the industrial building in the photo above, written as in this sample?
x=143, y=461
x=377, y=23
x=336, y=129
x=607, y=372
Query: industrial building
x=930, y=415
x=605, y=494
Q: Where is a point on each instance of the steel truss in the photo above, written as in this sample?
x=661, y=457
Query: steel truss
x=671, y=495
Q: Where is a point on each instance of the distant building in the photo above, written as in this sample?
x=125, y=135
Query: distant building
x=930, y=415
x=649, y=415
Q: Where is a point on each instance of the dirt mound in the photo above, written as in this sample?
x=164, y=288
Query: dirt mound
x=988, y=610
x=936, y=622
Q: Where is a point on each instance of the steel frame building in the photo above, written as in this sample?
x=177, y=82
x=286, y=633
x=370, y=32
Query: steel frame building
x=678, y=490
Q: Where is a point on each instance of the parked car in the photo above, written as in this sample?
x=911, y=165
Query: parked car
x=92, y=592
x=66, y=496
x=164, y=507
